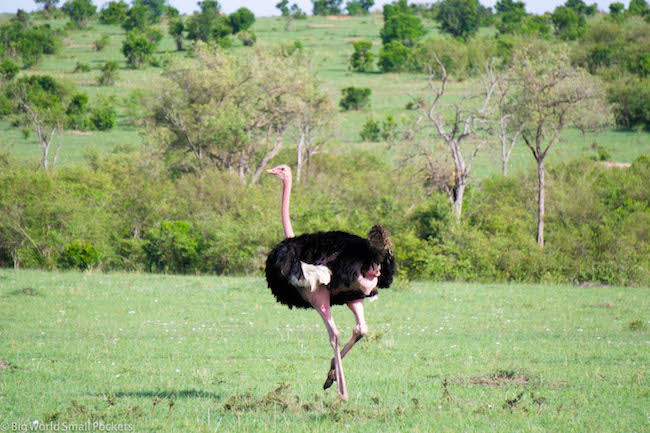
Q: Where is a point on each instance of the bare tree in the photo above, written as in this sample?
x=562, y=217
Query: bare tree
x=313, y=128
x=551, y=95
x=504, y=126
x=39, y=104
x=459, y=126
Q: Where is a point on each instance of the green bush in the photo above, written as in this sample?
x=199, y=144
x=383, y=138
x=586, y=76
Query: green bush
x=79, y=11
x=103, y=117
x=77, y=112
x=101, y=43
x=172, y=247
x=81, y=67
x=137, y=48
x=404, y=28
x=362, y=58
x=8, y=70
x=355, y=98
x=79, y=255
x=395, y=57
x=241, y=20
x=631, y=101
x=109, y=73
x=114, y=12
x=137, y=17
x=371, y=130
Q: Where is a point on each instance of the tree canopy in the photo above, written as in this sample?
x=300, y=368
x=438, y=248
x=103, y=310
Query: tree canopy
x=458, y=17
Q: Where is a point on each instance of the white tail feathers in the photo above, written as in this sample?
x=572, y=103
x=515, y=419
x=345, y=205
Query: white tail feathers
x=313, y=276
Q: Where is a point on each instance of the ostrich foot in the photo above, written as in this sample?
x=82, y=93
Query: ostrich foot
x=331, y=378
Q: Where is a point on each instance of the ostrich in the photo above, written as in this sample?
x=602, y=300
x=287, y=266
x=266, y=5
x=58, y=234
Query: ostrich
x=322, y=269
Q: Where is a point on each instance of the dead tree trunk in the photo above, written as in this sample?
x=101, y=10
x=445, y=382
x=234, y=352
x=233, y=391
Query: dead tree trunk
x=461, y=128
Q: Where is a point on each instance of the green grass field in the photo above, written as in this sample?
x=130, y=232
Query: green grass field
x=155, y=353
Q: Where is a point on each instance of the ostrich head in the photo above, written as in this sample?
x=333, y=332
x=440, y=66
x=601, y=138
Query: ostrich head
x=282, y=172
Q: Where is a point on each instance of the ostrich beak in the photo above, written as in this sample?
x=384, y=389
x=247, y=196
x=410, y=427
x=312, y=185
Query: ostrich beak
x=274, y=171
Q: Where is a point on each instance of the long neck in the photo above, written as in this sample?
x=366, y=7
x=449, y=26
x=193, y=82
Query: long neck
x=286, y=221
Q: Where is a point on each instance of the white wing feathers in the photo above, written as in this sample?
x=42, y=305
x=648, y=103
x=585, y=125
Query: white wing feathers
x=313, y=276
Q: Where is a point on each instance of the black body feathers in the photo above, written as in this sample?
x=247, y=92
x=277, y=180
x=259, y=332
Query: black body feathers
x=346, y=255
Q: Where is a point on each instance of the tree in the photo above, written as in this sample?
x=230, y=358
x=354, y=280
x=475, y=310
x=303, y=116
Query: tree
x=312, y=128
x=458, y=127
x=550, y=95
x=80, y=11
x=355, y=98
x=569, y=25
x=155, y=8
x=39, y=102
x=507, y=6
x=504, y=125
x=77, y=112
x=395, y=57
x=48, y=5
x=231, y=112
x=176, y=29
x=109, y=73
x=638, y=8
x=356, y=7
x=400, y=6
x=362, y=58
x=511, y=15
x=137, y=48
x=241, y=20
x=8, y=70
x=617, y=12
x=138, y=17
x=115, y=12
x=580, y=7
x=458, y=17
x=208, y=25
x=327, y=7
x=290, y=13
x=405, y=28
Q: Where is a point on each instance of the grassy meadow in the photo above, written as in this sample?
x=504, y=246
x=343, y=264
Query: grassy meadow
x=330, y=40
x=159, y=353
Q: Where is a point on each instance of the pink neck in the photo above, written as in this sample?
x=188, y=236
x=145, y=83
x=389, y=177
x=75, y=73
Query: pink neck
x=286, y=221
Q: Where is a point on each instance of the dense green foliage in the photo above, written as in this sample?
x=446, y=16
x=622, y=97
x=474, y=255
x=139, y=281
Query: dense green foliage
x=138, y=217
x=327, y=7
x=109, y=73
x=241, y=20
x=114, y=12
x=138, y=48
x=80, y=11
x=620, y=54
x=28, y=41
x=362, y=58
x=402, y=27
x=159, y=207
x=355, y=98
x=459, y=17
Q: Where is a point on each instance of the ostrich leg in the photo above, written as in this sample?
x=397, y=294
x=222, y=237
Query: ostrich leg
x=357, y=334
x=320, y=300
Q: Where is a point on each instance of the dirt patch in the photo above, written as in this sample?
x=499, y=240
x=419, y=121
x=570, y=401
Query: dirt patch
x=498, y=379
x=338, y=18
x=73, y=132
x=360, y=39
x=614, y=164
